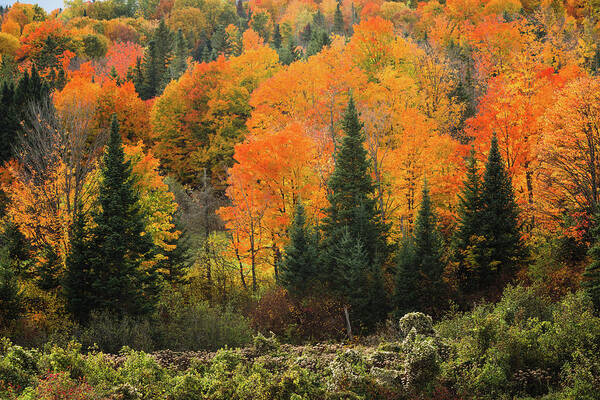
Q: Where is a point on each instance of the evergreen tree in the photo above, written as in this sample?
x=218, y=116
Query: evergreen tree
x=218, y=41
x=591, y=282
x=353, y=212
x=14, y=103
x=501, y=248
x=179, y=63
x=288, y=53
x=406, y=295
x=78, y=279
x=276, y=41
x=319, y=21
x=428, y=255
x=338, y=21
x=299, y=267
x=118, y=243
x=468, y=232
x=319, y=39
x=11, y=299
x=151, y=73
x=306, y=34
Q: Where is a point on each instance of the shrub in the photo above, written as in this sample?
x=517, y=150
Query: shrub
x=110, y=333
x=423, y=324
x=264, y=345
x=60, y=386
x=184, y=325
x=67, y=359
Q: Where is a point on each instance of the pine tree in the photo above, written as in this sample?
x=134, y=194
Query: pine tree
x=319, y=39
x=468, y=233
x=151, y=73
x=276, y=41
x=118, y=242
x=306, y=34
x=179, y=63
x=299, y=266
x=14, y=103
x=501, y=248
x=353, y=212
x=338, y=21
x=11, y=298
x=419, y=284
x=591, y=282
x=319, y=21
x=406, y=296
x=218, y=41
x=288, y=53
x=77, y=284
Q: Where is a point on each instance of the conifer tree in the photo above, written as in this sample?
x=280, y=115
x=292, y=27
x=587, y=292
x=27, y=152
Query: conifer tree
x=151, y=73
x=468, y=232
x=299, y=266
x=338, y=21
x=318, y=40
x=288, y=52
x=419, y=279
x=180, y=52
x=276, y=41
x=11, y=298
x=591, y=282
x=501, y=248
x=77, y=284
x=118, y=243
x=353, y=212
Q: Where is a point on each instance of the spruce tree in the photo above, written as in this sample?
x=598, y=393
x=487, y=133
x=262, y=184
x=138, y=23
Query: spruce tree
x=468, y=232
x=78, y=279
x=151, y=73
x=591, y=282
x=338, y=21
x=180, y=51
x=11, y=298
x=118, y=241
x=406, y=296
x=288, y=53
x=300, y=260
x=419, y=283
x=501, y=248
x=319, y=39
x=276, y=41
x=353, y=212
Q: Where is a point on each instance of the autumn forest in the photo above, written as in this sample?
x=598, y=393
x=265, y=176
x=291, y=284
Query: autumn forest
x=300, y=199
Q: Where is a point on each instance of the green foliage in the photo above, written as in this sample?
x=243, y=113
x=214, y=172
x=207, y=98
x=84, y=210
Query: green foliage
x=11, y=297
x=338, y=21
x=592, y=271
x=299, y=268
x=419, y=284
x=354, y=243
x=108, y=265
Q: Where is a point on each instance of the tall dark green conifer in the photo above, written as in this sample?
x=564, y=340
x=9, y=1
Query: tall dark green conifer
x=276, y=41
x=180, y=52
x=353, y=212
x=591, y=282
x=422, y=269
x=468, y=233
x=118, y=242
x=338, y=21
x=502, y=250
x=299, y=266
x=151, y=72
x=78, y=279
